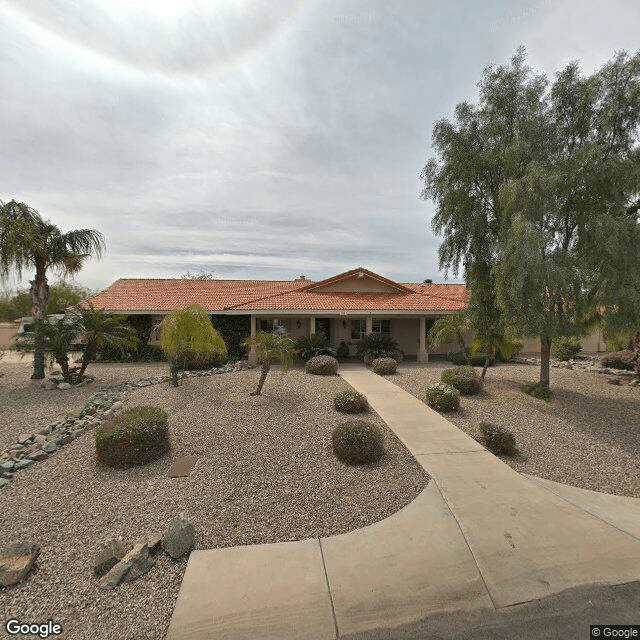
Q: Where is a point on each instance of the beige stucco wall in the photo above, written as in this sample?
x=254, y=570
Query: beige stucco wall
x=593, y=343
x=8, y=334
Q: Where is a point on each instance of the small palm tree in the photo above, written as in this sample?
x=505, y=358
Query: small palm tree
x=28, y=241
x=450, y=326
x=377, y=345
x=189, y=331
x=269, y=347
x=55, y=337
x=99, y=330
x=315, y=344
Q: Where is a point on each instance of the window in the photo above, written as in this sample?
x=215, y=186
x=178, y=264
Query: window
x=382, y=327
x=274, y=326
x=358, y=328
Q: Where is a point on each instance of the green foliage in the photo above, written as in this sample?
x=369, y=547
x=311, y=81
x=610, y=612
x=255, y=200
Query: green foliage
x=350, y=402
x=343, y=350
x=476, y=360
x=536, y=195
x=537, y=390
x=564, y=348
x=133, y=438
x=234, y=331
x=447, y=327
x=384, y=366
x=322, y=366
x=191, y=361
x=623, y=359
x=513, y=349
x=358, y=442
x=313, y=345
x=498, y=439
x=443, y=397
x=269, y=347
x=377, y=345
x=464, y=379
x=99, y=330
x=188, y=333
x=619, y=341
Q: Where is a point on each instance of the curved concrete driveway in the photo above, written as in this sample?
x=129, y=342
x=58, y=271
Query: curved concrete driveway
x=479, y=537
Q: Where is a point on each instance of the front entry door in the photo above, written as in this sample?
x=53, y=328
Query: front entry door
x=323, y=325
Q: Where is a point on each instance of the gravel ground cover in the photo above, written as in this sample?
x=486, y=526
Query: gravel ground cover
x=588, y=436
x=265, y=473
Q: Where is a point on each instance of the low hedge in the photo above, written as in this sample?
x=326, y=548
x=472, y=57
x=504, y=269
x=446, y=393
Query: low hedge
x=322, y=366
x=443, y=397
x=358, y=442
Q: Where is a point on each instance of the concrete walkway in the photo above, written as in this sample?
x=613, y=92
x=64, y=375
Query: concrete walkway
x=479, y=538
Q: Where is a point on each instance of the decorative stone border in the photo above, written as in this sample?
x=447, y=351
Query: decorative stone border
x=102, y=405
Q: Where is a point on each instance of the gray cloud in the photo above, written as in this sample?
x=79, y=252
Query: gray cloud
x=257, y=139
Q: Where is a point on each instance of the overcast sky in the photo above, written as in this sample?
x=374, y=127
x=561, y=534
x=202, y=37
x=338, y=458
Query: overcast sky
x=258, y=139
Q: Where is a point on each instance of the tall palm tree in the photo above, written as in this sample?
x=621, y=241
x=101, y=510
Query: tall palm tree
x=27, y=241
x=269, y=347
x=100, y=329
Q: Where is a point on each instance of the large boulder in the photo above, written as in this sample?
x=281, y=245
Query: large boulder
x=16, y=561
x=179, y=537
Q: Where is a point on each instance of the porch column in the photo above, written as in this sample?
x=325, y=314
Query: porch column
x=312, y=325
x=423, y=356
x=369, y=325
x=252, y=353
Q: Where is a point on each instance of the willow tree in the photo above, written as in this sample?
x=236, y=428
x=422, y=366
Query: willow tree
x=186, y=331
x=27, y=241
x=534, y=187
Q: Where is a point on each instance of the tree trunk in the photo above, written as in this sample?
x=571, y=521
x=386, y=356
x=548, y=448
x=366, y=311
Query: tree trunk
x=39, y=293
x=63, y=360
x=635, y=341
x=90, y=353
x=174, y=369
x=545, y=360
x=263, y=376
x=486, y=362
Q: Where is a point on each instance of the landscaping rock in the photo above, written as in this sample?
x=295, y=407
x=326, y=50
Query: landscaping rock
x=179, y=537
x=109, y=557
x=117, y=405
x=140, y=563
x=64, y=385
x=115, y=576
x=152, y=540
x=50, y=447
x=6, y=467
x=16, y=561
x=23, y=438
x=3, y=482
x=38, y=455
x=23, y=464
x=133, y=565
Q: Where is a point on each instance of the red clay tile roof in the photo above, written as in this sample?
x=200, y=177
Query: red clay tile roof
x=163, y=295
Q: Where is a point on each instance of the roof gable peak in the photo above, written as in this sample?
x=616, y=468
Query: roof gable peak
x=359, y=280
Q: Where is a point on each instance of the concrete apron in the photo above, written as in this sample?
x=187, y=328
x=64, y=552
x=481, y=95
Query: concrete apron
x=479, y=537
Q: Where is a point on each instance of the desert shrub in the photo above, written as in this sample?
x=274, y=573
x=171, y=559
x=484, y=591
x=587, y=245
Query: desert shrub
x=350, y=402
x=190, y=361
x=322, y=366
x=619, y=360
x=384, y=366
x=463, y=378
x=357, y=442
x=537, y=390
x=564, y=348
x=498, y=439
x=343, y=350
x=476, y=360
x=443, y=397
x=133, y=438
x=514, y=348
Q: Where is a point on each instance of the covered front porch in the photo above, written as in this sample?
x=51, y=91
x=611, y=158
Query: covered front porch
x=409, y=330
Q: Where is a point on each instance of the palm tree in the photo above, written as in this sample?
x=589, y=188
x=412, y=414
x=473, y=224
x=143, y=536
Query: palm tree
x=189, y=331
x=28, y=241
x=100, y=329
x=450, y=326
x=269, y=347
x=55, y=337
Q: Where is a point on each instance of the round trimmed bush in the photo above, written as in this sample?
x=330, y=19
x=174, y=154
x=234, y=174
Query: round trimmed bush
x=322, y=366
x=133, y=438
x=498, y=439
x=384, y=366
x=537, y=390
x=358, y=442
x=443, y=397
x=565, y=348
x=350, y=402
x=464, y=379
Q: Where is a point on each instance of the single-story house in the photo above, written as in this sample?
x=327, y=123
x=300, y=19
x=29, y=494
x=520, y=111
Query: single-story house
x=345, y=307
